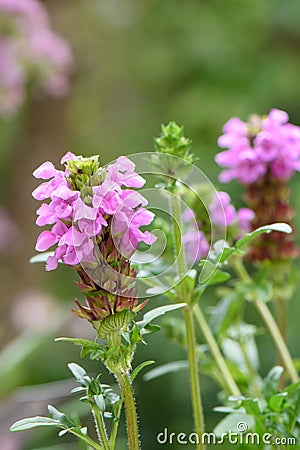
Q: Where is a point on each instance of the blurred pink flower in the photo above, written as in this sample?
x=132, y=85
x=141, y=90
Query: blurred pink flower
x=30, y=54
x=264, y=145
x=9, y=233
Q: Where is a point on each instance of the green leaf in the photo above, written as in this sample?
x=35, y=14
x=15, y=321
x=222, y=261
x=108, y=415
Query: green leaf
x=270, y=383
x=86, y=346
x=229, y=251
x=157, y=312
x=100, y=402
x=151, y=328
x=77, y=371
x=233, y=422
x=32, y=422
x=281, y=227
x=166, y=369
x=40, y=257
x=60, y=417
x=277, y=400
x=211, y=275
x=83, y=342
x=140, y=367
x=219, y=276
x=135, y=334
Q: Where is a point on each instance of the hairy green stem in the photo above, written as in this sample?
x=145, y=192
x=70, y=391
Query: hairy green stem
x=194, y=375
x=270, y=323
x=100, y=427
x=114, y=340
x=185, y=296
x=229, y=382
x=130, y=410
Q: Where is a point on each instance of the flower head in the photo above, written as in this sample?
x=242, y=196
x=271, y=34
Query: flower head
x=264, y=144
x=85, y=201
x=263, y=154
x=96, y=219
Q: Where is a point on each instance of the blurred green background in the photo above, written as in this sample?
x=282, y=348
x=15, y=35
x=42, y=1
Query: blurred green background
x=137, y=65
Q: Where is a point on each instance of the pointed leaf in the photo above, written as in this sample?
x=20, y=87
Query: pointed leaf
x=77, y=371
x=281, y=227
x=32, y=422
x=100, y=402
x=60, y=417
x=229, y=251
x=83, y=342
x=166, y=369
x=270, y=383
x=157, y=312
x=140, y=367
x=40, y=257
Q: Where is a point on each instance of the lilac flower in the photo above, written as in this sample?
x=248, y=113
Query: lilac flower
x=264, y=145
x=195, y=244
x=223, y=216
x=11, y=78
x=9, y=233
x=30, y=54
x=81, y=214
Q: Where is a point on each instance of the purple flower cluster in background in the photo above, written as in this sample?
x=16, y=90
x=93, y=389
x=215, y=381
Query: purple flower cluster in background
x=264, y=145
x=223, y=216
x=31, y=54
x=80, y=221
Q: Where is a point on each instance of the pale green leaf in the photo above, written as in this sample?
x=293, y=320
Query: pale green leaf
x=140, y=367
x=32, y=422
x=166, y=369
x=157, y=312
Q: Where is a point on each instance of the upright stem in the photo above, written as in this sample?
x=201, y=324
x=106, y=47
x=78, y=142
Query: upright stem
x=100, y=427
x=270, y=324
x=130, y=410
x=185, y=296
x=114, y=339
x=115, y=426
x=229, y=382
x=278, y=340
x=252, y=373
x=194, y=375
x=88, y=440
x=281, y=307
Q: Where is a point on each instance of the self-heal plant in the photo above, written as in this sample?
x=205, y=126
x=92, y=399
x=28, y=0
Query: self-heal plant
x=199, y=239
x=263, y=154
x=96, y=216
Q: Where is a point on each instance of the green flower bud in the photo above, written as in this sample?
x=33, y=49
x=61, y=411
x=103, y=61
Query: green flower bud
x=82, y=170
x=173, y=141
x=173, y=157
